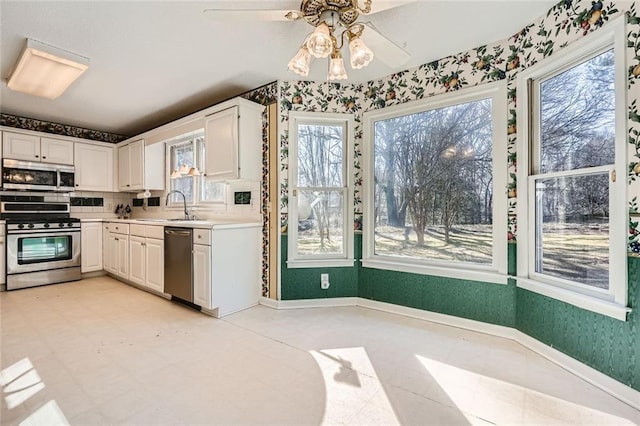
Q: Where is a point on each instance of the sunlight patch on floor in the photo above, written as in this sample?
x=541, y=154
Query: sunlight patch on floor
x=463, y=387
x=351, y=384
x=20, y=381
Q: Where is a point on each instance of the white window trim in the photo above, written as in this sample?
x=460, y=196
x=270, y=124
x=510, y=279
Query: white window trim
x=195, y=204
x=497, y=271
x=321, y=260
x=612, y=303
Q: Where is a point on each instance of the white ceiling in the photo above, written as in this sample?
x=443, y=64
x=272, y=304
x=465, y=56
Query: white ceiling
x=154, y=61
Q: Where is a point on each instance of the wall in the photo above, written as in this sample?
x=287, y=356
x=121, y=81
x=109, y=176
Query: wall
x=608, y=345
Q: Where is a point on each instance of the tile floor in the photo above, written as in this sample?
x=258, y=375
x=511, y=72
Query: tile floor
x=100, y=352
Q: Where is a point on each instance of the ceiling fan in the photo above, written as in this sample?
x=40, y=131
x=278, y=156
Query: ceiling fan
x=336, y=24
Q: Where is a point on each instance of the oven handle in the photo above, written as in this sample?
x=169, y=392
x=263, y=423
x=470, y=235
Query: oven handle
x=45, y=231
x=58, y=179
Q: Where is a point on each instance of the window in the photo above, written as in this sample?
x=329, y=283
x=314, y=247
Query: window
x=435, y=197
x=572, y=183
x=320, y=198
x=183, y=153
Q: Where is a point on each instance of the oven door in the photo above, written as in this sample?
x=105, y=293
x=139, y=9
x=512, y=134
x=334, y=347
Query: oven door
x=29, y=252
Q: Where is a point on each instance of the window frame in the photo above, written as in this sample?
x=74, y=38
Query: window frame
x=345, y=259
x=497, y=271
x=611, y=302
x=197, y=181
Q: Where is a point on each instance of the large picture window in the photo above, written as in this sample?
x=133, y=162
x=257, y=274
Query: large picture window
x=320, y=198
x=435, y=190
x=572, y=193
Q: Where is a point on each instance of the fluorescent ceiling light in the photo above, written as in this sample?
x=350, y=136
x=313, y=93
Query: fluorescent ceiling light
x=46, y=71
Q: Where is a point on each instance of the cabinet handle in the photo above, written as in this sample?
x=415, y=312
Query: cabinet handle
x=37, y=156
x=44, y=156
x=117, y=239
x=128, y=185
x=77, y=184
x=199, y=236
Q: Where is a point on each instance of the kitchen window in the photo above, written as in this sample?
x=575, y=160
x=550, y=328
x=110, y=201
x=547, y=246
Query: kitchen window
x=320, y=190
x=572, y=182
x=435, y=186
x=183, y=154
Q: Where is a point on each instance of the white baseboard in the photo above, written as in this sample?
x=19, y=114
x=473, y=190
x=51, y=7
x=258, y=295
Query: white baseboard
x=600, y=380
x=310, y=303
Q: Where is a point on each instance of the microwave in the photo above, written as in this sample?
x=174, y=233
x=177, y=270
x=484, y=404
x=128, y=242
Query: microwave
x=32, y=176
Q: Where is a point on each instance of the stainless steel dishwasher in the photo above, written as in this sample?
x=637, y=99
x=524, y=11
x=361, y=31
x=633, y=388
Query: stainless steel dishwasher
x=178, y=264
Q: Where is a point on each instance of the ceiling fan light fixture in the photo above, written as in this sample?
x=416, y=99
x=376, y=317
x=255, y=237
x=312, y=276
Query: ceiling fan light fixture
x=337, y=70
x=360, y=54
x=300, y=62
x=320, y=44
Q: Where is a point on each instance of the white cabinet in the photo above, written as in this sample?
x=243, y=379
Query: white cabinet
x=3, y=257
x=91, y=247
x=154, y=263
x=137, y=256
x=117, y=257
x=140, y=167
x=19, y=146
x=146, y=267
x=233, y=141
x=202, y=276
x=94, y=167
x=219, y=284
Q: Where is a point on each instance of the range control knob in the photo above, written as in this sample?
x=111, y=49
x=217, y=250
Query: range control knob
x=61, y=224
x=20, y=226
x=70, y=224
x=31, y=225
x=46, y=225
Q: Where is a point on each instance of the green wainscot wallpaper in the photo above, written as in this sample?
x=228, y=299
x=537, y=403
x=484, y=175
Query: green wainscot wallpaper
x=604, y=343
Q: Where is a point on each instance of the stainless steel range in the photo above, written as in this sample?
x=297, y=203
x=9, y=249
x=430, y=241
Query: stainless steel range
x=43, y=243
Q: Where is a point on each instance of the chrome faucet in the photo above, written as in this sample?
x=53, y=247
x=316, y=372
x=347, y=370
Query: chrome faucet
x=187, y=215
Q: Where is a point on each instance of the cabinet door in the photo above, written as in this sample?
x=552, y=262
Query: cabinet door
x=221, y=144
x=106, y=248
x=155, y=264
x=91, y=247
x=112, y=257
x=3, y=257
x=202, y=276
x=21, y=147
x=56, y=151
x=94, y=167
x=123, y=168
x=123, y=256
x=136, y=260
x=136, y=165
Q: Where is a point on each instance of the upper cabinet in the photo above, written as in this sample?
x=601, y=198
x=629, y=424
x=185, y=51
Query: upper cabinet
x=20, y=146
x=233, y=141
x=94, y=167
x=140, y=167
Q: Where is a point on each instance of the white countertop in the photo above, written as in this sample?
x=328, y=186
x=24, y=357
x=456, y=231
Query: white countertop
x=206, y=224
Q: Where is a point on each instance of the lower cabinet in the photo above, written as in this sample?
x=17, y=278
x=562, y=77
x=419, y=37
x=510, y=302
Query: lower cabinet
x=118, y=246
x=91, y=246
x=3, y=266
x=202, y=276
x=146, y=262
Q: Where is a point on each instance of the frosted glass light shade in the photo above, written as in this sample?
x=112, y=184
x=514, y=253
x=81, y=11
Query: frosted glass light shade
x=46, y=71
x=300, y=62
x=361, y=55
x=193, y=172
x=337, y=70
x=175, y=174
x=184, y=169
x=319, y=43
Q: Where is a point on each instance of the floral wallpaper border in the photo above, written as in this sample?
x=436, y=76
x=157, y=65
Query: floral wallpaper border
x=26, y=123
x=566, y=22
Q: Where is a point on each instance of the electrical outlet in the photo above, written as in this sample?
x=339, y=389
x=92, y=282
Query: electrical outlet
x=324, y=281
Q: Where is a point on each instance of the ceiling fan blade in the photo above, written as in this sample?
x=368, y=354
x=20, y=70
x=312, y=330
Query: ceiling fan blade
x=380, y=5
x=383, y=48
x=235, y=15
